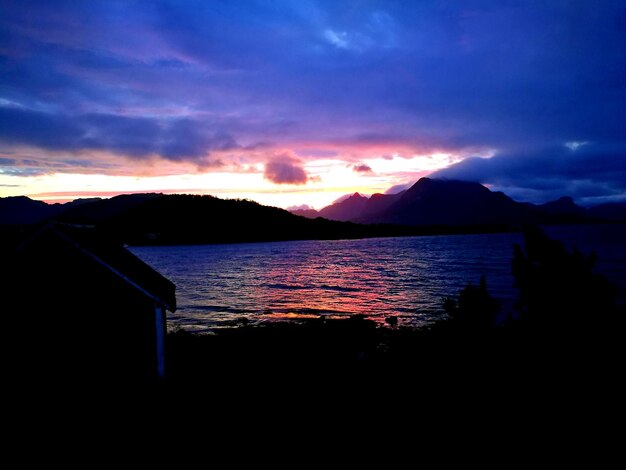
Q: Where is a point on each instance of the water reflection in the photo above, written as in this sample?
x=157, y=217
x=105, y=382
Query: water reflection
x=402, y=277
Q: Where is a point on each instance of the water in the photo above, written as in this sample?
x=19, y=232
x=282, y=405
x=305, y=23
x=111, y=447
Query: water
x=217, y=285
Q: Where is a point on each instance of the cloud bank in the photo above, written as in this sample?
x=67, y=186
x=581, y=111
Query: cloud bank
x=590, y=173
x=227, y=83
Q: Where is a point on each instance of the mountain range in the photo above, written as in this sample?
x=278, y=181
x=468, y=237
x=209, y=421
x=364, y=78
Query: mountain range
x=432, y=202
x=429, y=206
x=159, y=219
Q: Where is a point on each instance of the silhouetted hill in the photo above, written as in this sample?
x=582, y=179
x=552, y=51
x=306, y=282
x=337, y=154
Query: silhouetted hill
x=94, y=210
x=562, y=206
x=191, y=219
x=346, y=209
x=564, y=209
x=80, y=202
x=613, y=211
x=308, y=213
x=358, y=207
x=441, y=202
x=21, y=210
x=380, y=202
x=428, y=207
x=431, y=202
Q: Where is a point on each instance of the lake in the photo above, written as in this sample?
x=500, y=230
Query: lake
x=218, y=285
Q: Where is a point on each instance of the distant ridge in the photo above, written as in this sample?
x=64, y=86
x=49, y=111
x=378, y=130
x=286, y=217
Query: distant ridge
x=102, y=209
x=447, y=202
x=357, y=207
x=429, y=207
x=21, y=210
x=308, y=213
x=562, y=206
x=439, y=202
x=149, y=219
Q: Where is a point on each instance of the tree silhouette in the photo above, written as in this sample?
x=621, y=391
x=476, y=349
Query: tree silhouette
x=558, y=288
x=475, y=307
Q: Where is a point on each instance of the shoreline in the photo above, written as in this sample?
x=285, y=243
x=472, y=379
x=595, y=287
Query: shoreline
x=346, y=355
x=413, y=231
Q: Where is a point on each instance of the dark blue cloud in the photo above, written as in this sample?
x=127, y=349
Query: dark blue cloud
x=184, y=79
x=39, y=129
x=590, y=173
x=173, y=139
x=398, y=188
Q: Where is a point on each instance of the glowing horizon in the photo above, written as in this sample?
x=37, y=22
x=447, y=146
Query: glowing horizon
x=292, y=103
x=327, y=180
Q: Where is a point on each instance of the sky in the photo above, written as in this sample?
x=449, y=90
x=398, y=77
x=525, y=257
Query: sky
x=299, y=102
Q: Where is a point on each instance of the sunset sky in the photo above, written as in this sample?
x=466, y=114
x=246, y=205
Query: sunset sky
x=300, y=102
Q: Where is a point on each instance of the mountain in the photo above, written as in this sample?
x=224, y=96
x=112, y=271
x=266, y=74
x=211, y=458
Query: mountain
x=93, y=210
x=562, y=206
x=381, y=202
x=432, y=202
x=21, y=210
x=443, y=202
x=79, y=202
x=565, y=210
x=358, y=207
x=308, y=213
x=346, y=209
x=428, y=207
x=145, y=219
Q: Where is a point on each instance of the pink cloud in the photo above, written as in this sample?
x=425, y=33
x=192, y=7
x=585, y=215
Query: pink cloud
x=285, y=169
x=362, y=168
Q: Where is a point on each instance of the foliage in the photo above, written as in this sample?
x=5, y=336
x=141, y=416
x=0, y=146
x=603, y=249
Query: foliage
x=556, y=287
x=475, y=307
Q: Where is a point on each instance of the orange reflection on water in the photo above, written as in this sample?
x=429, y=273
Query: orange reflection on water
x=403, y=278
x=334, y=284
x=288, y=316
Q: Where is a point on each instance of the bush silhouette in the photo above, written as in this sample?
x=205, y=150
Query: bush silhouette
x=558, y=288
x=475, y=307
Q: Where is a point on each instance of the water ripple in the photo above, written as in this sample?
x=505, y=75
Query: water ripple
x=405, y=277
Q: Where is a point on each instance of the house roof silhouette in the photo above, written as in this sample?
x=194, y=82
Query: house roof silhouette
x=115, y=258
x=81, y=306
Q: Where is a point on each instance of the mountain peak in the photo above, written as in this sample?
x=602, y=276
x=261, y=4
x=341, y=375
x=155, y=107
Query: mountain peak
x=17, y=210
x=566, y=200
x=452, y=202
x=430, y=187
x=17, y=199
x=564, y=205
x=346, y=209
